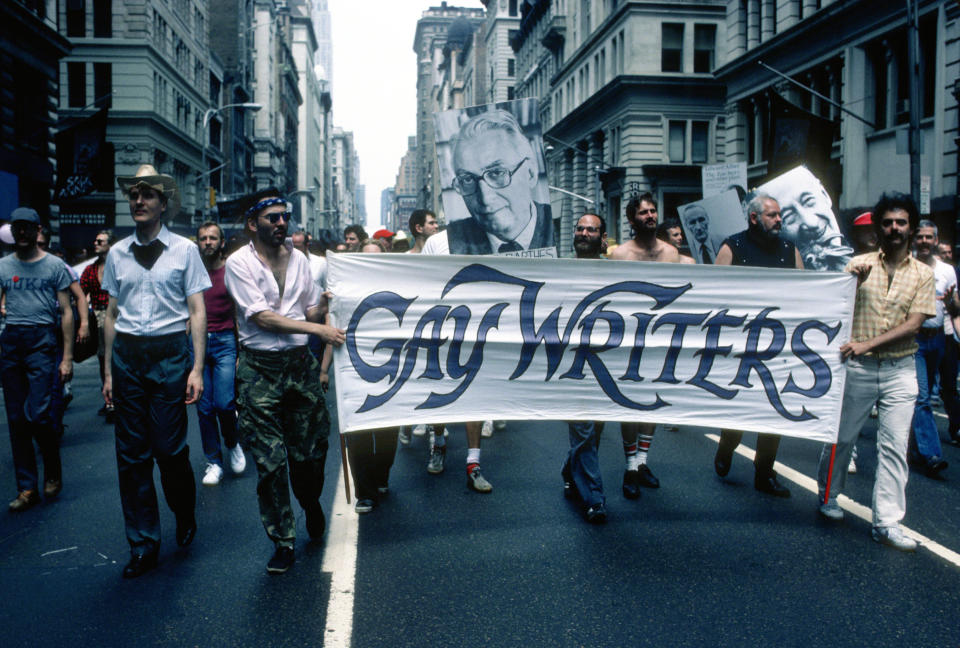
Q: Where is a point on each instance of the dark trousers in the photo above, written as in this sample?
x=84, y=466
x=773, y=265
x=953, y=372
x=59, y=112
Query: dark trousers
x=583, y=462
x=283, y=419
x=371, y=455
x=28, y=367
x=948, y=384
x=767, y=445
x=149, y=387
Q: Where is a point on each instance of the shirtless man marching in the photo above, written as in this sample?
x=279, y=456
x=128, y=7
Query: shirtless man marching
x=644, y=246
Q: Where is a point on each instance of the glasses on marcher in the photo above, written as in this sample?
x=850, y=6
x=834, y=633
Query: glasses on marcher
x=273, y=217
x=586, y=228
x=467, y=184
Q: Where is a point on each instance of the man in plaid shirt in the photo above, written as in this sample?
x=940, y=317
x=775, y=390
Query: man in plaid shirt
x=895, y=294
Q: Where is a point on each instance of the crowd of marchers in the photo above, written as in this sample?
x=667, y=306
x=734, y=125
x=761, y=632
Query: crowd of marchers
x=239, y=328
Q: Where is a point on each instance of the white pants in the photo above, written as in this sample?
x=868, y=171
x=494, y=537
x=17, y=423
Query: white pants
x=892, y=385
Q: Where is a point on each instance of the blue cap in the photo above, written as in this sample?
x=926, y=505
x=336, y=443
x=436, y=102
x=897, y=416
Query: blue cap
x=25, y=214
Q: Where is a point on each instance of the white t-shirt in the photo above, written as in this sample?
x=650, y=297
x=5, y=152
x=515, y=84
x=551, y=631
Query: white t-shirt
x=437, y=244
x=318, y=270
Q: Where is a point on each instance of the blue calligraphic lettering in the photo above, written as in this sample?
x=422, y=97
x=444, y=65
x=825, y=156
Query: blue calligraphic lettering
x=822, y=378
x=711, y=350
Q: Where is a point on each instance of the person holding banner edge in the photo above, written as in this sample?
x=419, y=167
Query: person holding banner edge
x=895, y=294
x=280, y=399
x=760, y=245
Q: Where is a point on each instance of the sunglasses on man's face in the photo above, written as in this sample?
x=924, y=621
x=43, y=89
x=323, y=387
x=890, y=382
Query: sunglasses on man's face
x=274, y=217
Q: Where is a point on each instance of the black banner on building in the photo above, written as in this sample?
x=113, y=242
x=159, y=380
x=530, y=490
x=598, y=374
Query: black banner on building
x=798, y=137
x=84, y=158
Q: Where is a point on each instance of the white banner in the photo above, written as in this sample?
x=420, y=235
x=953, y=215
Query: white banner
x=458, y=338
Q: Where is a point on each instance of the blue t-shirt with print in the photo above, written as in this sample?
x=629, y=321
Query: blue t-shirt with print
x=31, y=289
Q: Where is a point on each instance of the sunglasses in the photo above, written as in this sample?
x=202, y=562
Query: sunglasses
x=274, y=217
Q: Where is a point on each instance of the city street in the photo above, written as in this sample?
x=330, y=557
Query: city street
x=698, y=562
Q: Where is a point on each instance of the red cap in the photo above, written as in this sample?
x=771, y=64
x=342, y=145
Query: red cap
x=866, y=218
x=382, y=234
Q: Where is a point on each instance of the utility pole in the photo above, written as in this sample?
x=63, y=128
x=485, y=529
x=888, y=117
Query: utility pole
x=913, y=63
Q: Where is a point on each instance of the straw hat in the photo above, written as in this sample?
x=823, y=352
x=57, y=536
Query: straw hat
x=147, y=175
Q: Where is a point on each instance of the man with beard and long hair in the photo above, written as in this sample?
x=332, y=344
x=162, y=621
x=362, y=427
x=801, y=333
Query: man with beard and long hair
x=895, y=294
x=216, y=409
x=760, y=245
x=644, y=246
x=280, y=399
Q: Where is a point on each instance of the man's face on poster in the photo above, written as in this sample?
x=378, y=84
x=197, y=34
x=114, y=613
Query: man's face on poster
x=496, y=175
x=808, y=220
x=696, y=219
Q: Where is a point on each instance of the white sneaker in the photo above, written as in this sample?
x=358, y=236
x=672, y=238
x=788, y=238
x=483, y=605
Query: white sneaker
x=893, y=536
x=499, y=425
x=852, y=468
x=487, y=429
x=419, y=430
x=237, y=461
x=212, y=475
x=404, y=435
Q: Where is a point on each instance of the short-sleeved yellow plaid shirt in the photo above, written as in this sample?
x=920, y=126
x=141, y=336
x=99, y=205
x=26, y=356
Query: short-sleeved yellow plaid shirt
x=881, y=306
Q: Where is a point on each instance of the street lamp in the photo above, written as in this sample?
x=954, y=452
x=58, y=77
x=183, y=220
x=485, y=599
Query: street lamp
x=207, y=116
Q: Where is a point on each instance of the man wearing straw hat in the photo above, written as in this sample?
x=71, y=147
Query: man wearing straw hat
x=155, y=280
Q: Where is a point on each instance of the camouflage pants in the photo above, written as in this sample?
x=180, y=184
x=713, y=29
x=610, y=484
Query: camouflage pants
x=283, y=418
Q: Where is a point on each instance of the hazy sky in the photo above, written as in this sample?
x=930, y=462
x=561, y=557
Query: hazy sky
x=375, y=84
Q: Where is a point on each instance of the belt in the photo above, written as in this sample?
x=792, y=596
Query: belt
x=278, y=353
x=130, y=337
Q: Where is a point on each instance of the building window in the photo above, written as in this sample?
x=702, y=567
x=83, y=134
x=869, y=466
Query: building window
x=676, y=141
x=510, y=93
x=891, y=78
x=102, y=18
x=77, y=84
x=699, y=145
x=704, y=46
x=585, y=19
x=512, y=10
x=103, y=84
x=671, y=55
x=511, y=67
x=76, y=18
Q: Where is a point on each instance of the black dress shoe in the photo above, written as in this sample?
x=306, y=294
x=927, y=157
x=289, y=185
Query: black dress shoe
x=316, y=522
x=631, y=484
x=770, y=486
x=721, y=463
x=934, y=466
x=281, y=561
x=140, y=563
x=596, y=514
x=647, y=480
x=186, y=530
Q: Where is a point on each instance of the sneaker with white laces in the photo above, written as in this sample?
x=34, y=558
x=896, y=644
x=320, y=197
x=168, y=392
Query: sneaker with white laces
x=893, y=536
x=419, y=430
x=487, y=429
x=212, y=475
x=852, y=468
x=476, y=482
x=404, y=435
x=438, y=455
x=238, y=462
x=831, y=510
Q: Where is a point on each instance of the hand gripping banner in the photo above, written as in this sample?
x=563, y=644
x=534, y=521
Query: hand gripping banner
x=459, y=338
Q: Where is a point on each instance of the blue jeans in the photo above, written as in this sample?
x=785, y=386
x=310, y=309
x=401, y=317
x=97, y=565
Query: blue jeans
x=583, y=462
x=925, y=440
x=216, y=409
x=28, y=364
x=948, y=384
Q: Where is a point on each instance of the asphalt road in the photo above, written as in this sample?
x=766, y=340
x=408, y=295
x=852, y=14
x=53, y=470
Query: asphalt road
x=698, y=562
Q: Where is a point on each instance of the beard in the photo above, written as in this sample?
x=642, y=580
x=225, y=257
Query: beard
x=585, y=246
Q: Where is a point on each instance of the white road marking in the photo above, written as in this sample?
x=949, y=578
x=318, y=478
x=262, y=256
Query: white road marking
x=340, y=560
x=849, y=505
x=56, y=551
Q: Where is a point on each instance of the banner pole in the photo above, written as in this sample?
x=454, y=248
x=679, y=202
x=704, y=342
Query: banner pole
x=833, y=455
x=346, y=472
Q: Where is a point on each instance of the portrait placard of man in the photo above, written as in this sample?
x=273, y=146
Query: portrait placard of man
x=808, y=219
x=707, y=223
x=495, y=192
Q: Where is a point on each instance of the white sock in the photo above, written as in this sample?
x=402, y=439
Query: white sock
x=473, y=456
